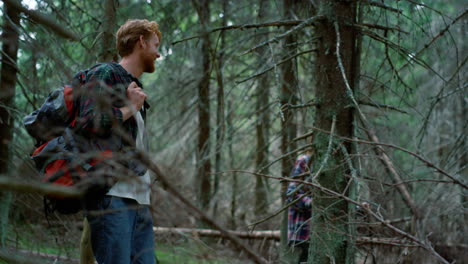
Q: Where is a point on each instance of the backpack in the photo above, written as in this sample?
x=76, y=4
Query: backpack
x=58, y=157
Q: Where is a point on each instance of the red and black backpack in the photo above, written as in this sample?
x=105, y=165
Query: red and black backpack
x=57, y=156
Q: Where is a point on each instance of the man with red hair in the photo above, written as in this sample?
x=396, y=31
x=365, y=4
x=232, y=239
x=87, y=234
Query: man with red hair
x=111, y=115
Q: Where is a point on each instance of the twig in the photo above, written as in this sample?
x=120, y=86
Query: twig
x=385, y=241
x=285, y=155
x=307, y=22
x=424, y=245
x=384, y=106
x=279, y=210
x=277, y=64
x=383, y=6
x=402, y=51
x=438, y=97
x=387, y=162
x=394, y=70
x=247, y=26
x=380, y=27
x=429, y=164
x=290, y=106
x=441, y=33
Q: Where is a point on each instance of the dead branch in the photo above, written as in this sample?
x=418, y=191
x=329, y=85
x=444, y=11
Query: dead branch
x=383, y=6
x=386, y=241
x=305, y=23
x=285, y=155
x=247, y=26
x=402, y=51
x=425, y=245
x=376, y=26
x=441, y=33
x=261, y=234
x=298, y=106
x=43, y=19
x=398, y=181
x=277, y=64
x=278, y=211
x=144, y=158
x=387, y=162
x=426, y=162
x=382, y=106
x=275, y=235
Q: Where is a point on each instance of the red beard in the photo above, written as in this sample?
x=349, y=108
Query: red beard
x=148, y=63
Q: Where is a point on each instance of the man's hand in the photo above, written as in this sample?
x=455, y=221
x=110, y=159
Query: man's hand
x=137, y=97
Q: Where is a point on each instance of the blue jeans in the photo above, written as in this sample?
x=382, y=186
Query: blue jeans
x=121, y=231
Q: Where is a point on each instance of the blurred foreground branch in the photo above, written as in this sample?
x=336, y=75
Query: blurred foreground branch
x=9, y=184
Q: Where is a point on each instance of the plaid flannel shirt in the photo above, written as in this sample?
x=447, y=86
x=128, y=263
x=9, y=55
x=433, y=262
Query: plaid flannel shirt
x=99, y=117
x=299, y=213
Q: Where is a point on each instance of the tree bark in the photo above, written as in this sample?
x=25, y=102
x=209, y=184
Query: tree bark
x=329, y=240
x=10, y=39
x=220, y=118
x=108, y=50
x=203, y=177
x=261, y=158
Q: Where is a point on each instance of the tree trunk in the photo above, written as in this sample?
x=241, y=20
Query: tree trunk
x=288, y=96
x=10, y=39
x=108, y=49
x=261, y=159
x=203, y=160
x=220, y=119
x=232, y=164
x=329, y=228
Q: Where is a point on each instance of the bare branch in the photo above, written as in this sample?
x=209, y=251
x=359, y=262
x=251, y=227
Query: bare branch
x=277, y=64
x=380, y=27
x=144, y=158
x=412, y=238
x=383, y=6
x=307, y=22
x=441, y=33
x=402, y=51
x=382, y=106
x=428, y=163
x=247, y=26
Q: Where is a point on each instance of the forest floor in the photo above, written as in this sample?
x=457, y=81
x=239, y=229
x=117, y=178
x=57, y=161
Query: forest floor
x=60, y=245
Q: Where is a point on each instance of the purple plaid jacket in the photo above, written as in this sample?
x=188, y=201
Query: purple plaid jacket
x=300, y=212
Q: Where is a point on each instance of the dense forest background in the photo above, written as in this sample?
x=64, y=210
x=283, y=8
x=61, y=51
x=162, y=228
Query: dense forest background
x=238, y=89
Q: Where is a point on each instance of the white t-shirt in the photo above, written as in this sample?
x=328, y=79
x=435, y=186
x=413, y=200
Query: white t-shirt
x=139, y=187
